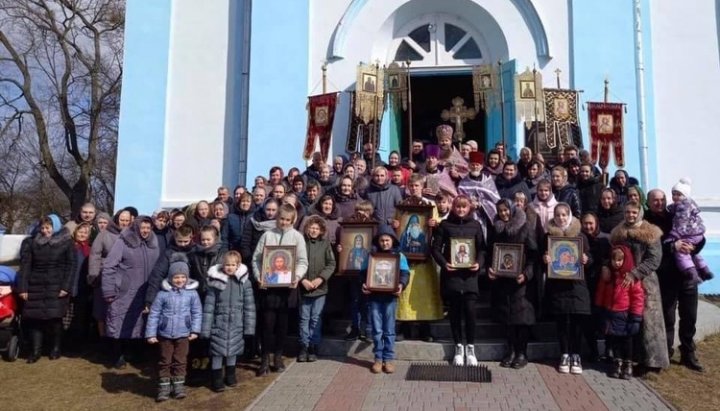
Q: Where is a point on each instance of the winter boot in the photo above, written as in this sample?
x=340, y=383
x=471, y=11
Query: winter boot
x=692, y=275
x=36, y=341
x=312, y=353
x=230, y=376
x=459, y=358
x=56, y=330
x=705, y=273
x=519, y=362
x=353, y=334
x=264, y=366
x=616, y=371
x=178, y=388
x=689, y=360
x=627, y=371
x=507, y=361
x=217, y=384
x=470, y=358
x=303, y=355
x=278, y=364
x=164, y=389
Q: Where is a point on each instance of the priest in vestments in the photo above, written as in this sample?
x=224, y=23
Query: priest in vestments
x=450, y=158
x=480, y=187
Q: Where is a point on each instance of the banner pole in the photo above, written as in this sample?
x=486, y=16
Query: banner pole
x=410, y=111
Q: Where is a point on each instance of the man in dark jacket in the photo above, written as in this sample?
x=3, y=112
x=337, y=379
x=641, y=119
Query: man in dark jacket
x=510, y=182
x=383, y=195
x=564, y=191
x=589, y=188
x=676, y=291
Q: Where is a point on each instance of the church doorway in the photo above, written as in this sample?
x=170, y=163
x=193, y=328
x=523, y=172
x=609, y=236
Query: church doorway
x=431, y=94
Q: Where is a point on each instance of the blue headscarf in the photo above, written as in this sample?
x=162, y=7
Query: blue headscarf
x=56, y=223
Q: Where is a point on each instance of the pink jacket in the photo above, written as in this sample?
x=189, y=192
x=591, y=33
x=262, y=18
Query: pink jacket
x=544, y=210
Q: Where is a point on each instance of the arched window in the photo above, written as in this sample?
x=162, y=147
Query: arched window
x=438, y=40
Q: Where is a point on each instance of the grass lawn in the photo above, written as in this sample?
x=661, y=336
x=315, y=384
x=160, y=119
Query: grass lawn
x=85, y=384
x=689, y=390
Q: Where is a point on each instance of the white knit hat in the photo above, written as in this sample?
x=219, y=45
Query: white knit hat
x=683, y=186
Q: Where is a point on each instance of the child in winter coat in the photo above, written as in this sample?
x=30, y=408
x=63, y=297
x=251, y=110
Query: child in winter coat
x=321, y=266
x=174, y=320
x=228, y=316
x=622, y=300
x=382, y=306
x=8, y=304
x=688, y=227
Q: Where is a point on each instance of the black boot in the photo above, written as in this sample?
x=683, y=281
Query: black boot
x=617, y=369
x=519, y=362
x=278, y=364
x=178, y=388
x=217, y=383
x=56, y=330
x=353, y=334
x=264, y=366
x=303, y=355
x=705, y=274
x=689, y=360
x=36, y=338
x=507, y=361
x=230, y=376
x=692, y=275
x=312, y=353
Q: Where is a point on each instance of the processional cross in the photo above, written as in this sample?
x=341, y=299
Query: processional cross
x=459, y=114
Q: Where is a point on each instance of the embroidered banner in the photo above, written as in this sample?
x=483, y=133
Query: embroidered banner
x=529, y=105
x=321, y=113
x=485, y=86
x=561, y=118
x=606, y=128
x=369, y=93
x=360, y=133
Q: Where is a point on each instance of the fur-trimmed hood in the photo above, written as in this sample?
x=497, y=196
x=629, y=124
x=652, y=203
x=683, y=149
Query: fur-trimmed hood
x=190, y=285
x=218, y=279
x=646, y=233
x=572, y=231
x=55, y=239
x=517, y=221
x=131, y=235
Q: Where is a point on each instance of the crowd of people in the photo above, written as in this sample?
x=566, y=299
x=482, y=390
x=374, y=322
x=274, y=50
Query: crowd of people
x=192, y=280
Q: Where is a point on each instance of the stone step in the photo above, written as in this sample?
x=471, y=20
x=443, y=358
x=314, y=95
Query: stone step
x=485, y=350
x=484, y=329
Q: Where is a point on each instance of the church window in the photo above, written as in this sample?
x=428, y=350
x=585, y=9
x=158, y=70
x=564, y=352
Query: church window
x=406, y=52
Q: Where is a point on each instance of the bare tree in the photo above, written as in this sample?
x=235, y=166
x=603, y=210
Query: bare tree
x=60, y=75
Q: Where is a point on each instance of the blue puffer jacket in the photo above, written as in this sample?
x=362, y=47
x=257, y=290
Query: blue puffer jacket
x=176, y=312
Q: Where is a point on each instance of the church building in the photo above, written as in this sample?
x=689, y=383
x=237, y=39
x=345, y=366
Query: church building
x=216, y=92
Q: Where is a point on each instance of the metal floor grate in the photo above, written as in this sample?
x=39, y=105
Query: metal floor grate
x=444, y=372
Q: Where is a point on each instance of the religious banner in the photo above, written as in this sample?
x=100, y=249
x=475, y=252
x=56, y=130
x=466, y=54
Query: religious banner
x=360, y=133
x=529, y=104
x=321, y=113
x=606, y=128
x=397, y=85
x=485, y=86
x=369, y=93
x=561, y=117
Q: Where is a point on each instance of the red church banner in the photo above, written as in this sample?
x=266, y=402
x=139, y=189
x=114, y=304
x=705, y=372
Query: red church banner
x=606, y=128
x=321, y=113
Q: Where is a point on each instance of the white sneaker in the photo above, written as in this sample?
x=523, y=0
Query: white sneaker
x=470, y=359
x=575, y=364
x=564, y=367
x=459, y=358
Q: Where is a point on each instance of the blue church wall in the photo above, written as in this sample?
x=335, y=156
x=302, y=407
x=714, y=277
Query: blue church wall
x=278, y=84
x=142, y=114
x=602, y=46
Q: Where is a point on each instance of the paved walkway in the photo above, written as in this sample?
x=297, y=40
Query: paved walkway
x=347, y=384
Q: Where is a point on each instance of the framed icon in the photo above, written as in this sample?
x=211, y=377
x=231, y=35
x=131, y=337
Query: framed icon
x=383, y=274
x=462, y=252
x=527, y=89
x=414, y=232
x=508, y=259
x=565, y=258
x=356, y=241
x=278, y=267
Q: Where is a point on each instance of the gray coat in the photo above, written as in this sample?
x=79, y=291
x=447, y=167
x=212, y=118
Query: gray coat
x=124, y=280
x=644, y=241
x=228, y=311
x=98, y=253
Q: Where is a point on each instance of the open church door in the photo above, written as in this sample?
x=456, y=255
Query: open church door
x=495, y=131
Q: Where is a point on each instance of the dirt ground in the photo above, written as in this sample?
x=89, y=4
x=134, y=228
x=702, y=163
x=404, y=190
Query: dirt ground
x=84, y=383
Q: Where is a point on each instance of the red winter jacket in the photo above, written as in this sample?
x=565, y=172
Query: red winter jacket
x=8, y=306
x=611, y=296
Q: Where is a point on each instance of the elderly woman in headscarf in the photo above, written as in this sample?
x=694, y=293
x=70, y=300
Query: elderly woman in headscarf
x=124, y=282
x=643, y=238
x=47, y=268
x=509, y=293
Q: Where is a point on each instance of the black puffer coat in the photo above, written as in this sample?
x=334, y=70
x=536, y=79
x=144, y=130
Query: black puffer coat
x=569, y=194
x=509, y=299
x=589, y=191
x=461, y=280
x=201, y=259
x=610, y=219
x=47, y=266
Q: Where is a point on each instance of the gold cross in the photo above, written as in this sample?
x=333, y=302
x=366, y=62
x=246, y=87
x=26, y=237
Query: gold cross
x=459, y=114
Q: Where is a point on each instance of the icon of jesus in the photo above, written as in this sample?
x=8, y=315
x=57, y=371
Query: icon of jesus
x=279, y=272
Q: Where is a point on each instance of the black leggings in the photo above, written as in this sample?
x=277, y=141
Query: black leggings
x=274, y=330
x=463, y=305
x=48, y=328
x=621, y=346
x=569, y=329
x=518, y=336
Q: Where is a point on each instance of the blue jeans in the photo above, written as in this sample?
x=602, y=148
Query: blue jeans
x=382, y=315
x=311, y=320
